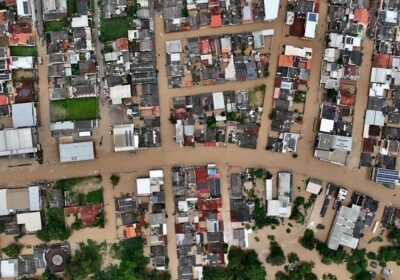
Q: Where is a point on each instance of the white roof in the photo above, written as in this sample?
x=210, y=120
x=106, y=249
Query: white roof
x=326, y=125
x=226, y=44
x=268, y=189
x=124, y=138
x=3, y=203
x=112, y=56
x=391, y=17
x=175, y=57
x=374, y=117
x=31, y=220
x=34, y=198
x=343, y=228
x=271, y=8
x=277, y=208
x=133, y=34
x=23, y=114
x=331, y=54
x=16, y=141
x=336, y=40
x=81, y=21
x=68, y=125
x=22, y=62
x=378, y=75
x=21, y=5
x=173, y=46
x=9, y=268
x=143, y=186
x=297, y=51
x=230, y=70
x=314, y=186
x=117, y=93
x=311, y=25
x=156, y=173
x=218, y=100
x=179, y=132
x=78, y=151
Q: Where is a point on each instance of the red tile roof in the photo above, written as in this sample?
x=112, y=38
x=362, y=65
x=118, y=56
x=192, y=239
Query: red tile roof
x=382, y=61
x=205, y=46
x=3, y=100
x=361, y=16
x=216, y=20
x=122, y=44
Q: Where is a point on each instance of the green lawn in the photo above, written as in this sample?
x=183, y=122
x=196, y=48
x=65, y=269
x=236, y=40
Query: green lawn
x=76, y=109
x=23, y=51
x=113, y=28
x=95, y=196
x=55, y=25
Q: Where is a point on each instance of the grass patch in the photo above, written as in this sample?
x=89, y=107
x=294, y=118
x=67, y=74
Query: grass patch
x=71, y=8
x=23, y=51
x=113, y=28
x=68, y=184
x=95, y=196
x=55, y=25
x=74, y=109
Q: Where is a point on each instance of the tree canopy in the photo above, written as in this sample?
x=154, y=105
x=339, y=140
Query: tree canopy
x=243, y=265
x=55, y=228
x=12, y=250
x=276, y=255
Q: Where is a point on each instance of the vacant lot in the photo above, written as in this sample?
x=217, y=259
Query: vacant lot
x=113, y=28
x=55, y=25
x=74, y=109
x=23, y=51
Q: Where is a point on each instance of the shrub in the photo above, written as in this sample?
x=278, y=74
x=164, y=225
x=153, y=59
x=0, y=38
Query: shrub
x=308, y=240
x=12, y=250
x=276, y=256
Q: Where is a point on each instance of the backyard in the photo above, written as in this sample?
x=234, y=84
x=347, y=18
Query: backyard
x=55, y=25
x=74, y=109
x=23, y=51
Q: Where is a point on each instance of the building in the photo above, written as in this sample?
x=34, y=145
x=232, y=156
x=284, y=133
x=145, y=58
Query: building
x=342, y=233
x=17, y=200
x=54, y=9
x=23, y=115
x=9, y=268
x=31, y=220
x=271, y=9
x=311, y=25
x=389, y=177
x=314, y=186
x=17, y=141
x=125, y=138
x=119, y=92
x=280, y=207
x=78, y=151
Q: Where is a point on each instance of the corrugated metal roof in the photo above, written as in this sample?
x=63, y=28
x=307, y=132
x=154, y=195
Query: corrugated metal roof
x=76, y=151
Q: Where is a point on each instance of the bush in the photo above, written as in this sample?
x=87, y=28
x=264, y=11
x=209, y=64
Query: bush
x=276, y=256
x=12, y=250
x=114, y=180
x=320, y=226
x=299, y=96
x=308, y=240
x=293, y=258
x=95, y=196
x=2, y=227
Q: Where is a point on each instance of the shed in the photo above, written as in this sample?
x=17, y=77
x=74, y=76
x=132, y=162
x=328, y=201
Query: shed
x=314, y=186
x=78, y=151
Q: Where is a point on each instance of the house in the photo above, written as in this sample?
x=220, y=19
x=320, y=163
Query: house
x=281, y=207
x=22, y=62
x=77, y=151
x=271, y=9
x=24, y=8
x=32, y=221
x=23, y=115
x=311, y=25
x=119, y=92
x=54, y=9
x=9, y=268
x=389, y=177
x=314, y=186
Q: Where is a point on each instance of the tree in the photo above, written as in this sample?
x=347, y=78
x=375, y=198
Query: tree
x=259, y=214
x=216, y=273
x=356, y=262
x=12, y=250
x=48, y=275
x=211, y=122
x=299, y=96
x=394, y=235
x=363, y=275
x=332, y=94
x=114, y=179
x=276, y=255
x=308, y=240
x=293, y=258
x=86, y=260
x=55, y=228
x=2, y=227
x=329, y=256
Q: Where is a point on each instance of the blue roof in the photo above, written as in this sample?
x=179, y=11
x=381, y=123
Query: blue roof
x=312, y=17
x=386, y=176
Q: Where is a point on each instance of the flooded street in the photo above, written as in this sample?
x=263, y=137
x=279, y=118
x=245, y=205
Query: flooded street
x=131, y=166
